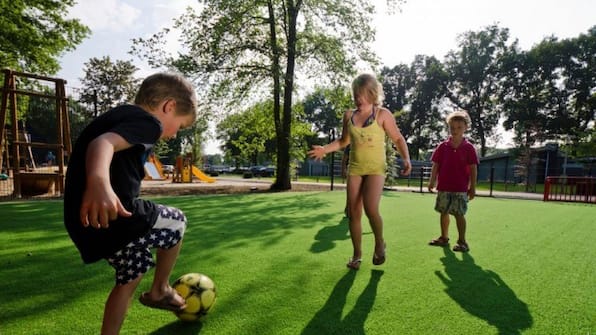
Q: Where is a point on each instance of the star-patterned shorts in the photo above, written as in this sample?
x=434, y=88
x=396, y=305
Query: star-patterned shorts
x=136, y=259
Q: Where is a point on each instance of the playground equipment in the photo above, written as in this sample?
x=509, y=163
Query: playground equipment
x=184, y=171
x=201, y=175
x=154, y=169
x=28, y=178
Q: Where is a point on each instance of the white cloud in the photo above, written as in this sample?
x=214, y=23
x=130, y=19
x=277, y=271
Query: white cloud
x=106, y=15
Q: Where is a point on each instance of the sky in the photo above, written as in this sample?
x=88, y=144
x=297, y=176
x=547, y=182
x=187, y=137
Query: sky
x=427, y=27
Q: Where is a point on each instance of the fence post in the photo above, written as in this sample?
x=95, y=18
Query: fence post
x=492, y=176
x=546, y=189
x=421, y=177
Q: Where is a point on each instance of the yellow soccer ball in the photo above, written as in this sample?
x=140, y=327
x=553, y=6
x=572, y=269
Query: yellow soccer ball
x=199, y=292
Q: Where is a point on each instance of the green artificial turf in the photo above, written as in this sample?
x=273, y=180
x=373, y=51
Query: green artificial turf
x=278, y=261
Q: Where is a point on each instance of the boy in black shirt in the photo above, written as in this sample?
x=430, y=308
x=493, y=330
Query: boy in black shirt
x=103, y=213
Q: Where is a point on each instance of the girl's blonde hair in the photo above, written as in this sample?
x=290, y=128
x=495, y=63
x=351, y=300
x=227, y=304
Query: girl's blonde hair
x=367, y=85
x=163, y=86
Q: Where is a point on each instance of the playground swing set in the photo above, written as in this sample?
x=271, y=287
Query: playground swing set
x=16, y=154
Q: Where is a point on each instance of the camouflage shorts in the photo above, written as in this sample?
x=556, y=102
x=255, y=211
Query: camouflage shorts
x=454, y=203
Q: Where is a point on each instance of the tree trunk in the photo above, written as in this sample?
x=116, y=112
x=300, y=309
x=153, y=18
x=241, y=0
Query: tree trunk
x=282, y=179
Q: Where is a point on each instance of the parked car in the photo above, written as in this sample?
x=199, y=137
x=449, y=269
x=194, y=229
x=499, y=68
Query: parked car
x=169, y=169
x=262, y=171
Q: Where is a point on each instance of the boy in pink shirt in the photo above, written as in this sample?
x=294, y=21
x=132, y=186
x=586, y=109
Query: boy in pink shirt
x=454, y=174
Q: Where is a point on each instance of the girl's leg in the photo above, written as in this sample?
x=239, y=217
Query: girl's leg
x=355, y=214
x=372, y=189
x=117, y=305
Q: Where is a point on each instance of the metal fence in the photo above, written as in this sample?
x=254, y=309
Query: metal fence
x=570, y=189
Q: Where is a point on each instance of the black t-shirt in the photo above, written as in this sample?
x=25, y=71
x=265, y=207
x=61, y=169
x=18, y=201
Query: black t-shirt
x=140, y=129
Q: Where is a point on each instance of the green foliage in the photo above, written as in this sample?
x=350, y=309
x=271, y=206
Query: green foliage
x=549, y=91
x=33, y=34
x=41, y=117
x=248, y=137
x=77, y=117
x=107, y=84
x=420, y=88
x=255, y=48
x=187, y=141
x=247, y=134
x=325, y=107
x=473, y=78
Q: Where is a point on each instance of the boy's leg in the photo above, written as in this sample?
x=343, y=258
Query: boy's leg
x=442, y=205
x=117, y=305
x=461, y=227
x=444, y=225
x=459, y=209
x=169, y=229
x=160, y=288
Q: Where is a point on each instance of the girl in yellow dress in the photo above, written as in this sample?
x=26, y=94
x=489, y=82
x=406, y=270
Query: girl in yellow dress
x=365, y=129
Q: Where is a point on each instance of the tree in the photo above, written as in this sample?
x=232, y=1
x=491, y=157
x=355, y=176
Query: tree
x=425, y=117
x=413, y=94
x=474, y=75
x=33, y=34
x=249, y=137
x=525, y=94
x=244, y=50
x=107, y=84
x=549, y=92
x=397, y=84
x=578, y=57
x=246, y=135
x=324, y=109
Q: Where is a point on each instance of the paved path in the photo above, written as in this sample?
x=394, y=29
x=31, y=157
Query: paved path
x=223, y=183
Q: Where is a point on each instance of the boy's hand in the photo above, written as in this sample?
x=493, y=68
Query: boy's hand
x=431, y=185
x=101, y=205
x=471, y=193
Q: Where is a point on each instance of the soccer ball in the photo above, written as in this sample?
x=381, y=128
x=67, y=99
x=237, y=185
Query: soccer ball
x=199, y=292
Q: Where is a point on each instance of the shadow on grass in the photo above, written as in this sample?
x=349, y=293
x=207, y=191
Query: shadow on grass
x=38, y=258
x=484, y=294
x=326, y=237
x=179, y=327
x=328, y=319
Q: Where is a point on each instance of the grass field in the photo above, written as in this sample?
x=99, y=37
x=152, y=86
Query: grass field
x=278, y=261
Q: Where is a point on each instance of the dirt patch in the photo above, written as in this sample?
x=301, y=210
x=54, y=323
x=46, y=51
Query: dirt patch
x=222, y=186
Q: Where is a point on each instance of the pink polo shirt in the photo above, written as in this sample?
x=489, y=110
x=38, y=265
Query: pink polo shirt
x=454, y=165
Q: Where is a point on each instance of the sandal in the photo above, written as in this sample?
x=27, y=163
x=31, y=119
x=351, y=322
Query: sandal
x=379, y=259
x=354, y=264
x=167, y=303
x=461, y=246
x=439, y=242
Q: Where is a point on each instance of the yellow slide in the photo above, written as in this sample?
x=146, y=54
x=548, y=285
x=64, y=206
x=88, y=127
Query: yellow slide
x=202, y=176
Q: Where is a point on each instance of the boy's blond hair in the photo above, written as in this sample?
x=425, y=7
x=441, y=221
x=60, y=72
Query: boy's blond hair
x=459, y=115
x=164, y=86
x=367, y=85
